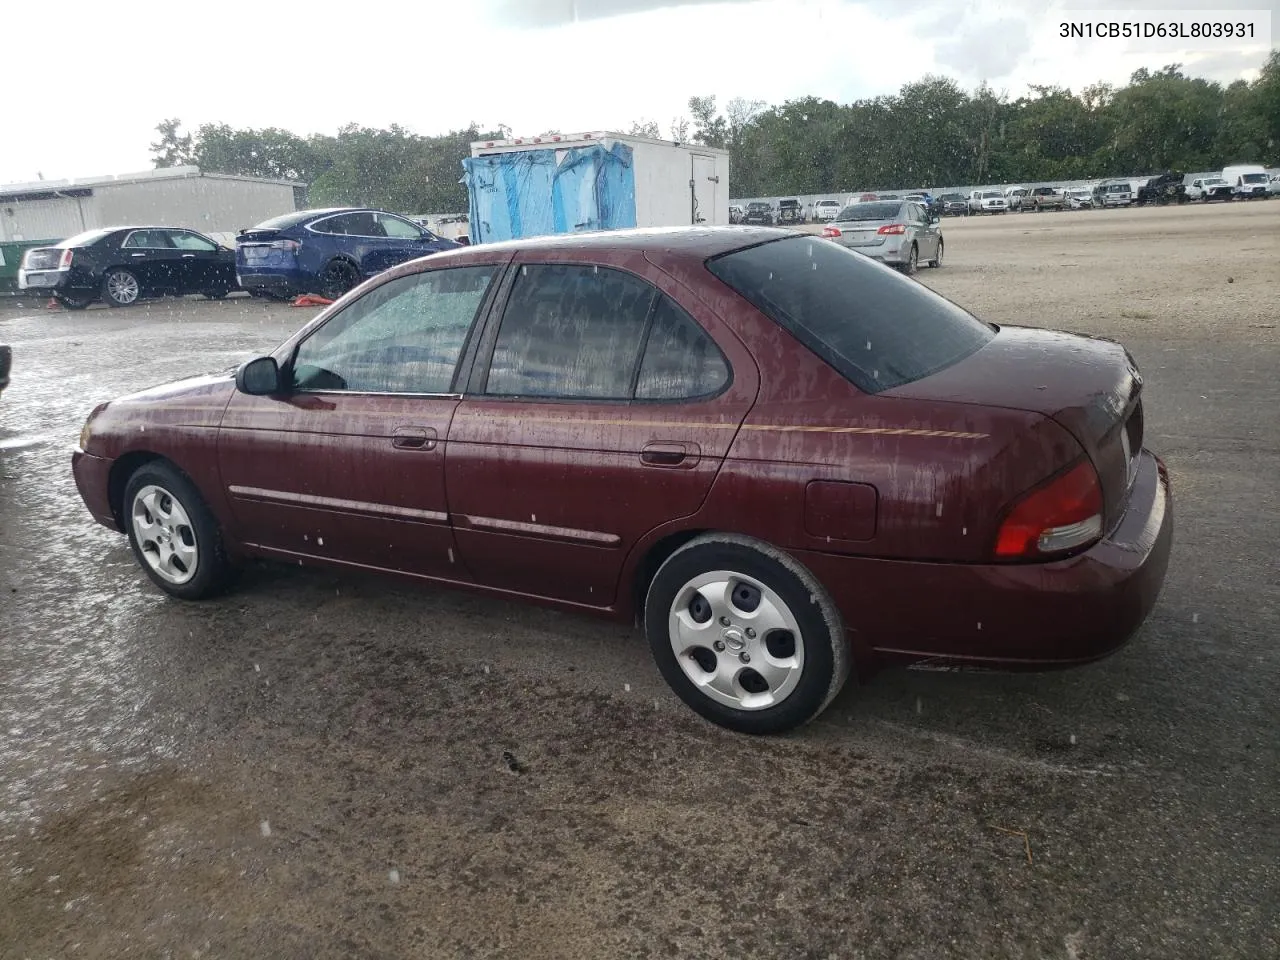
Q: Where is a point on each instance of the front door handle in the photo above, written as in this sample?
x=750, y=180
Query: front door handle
x=137, y=254
x=414, y=438
x=669, y=454
x=188, y=256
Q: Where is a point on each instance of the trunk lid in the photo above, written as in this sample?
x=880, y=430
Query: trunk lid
x=264, y=247
x=1088, y=385
x=860, y=233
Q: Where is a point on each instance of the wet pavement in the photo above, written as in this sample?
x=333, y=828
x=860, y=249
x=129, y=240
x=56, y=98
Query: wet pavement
x=325, y=765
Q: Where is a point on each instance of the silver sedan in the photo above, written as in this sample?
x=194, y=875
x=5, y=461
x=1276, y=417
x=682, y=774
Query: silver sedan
x=899, y=233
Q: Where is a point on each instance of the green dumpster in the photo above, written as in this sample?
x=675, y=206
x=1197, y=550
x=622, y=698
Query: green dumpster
x=11, y=258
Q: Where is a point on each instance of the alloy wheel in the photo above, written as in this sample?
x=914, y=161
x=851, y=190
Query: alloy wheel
x=736, y=640
x=122, y=287
x=165, y=535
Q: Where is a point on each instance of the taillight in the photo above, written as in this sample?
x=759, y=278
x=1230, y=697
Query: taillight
x=65, y=262
x=831, y=232
x=1061, y=515
x=288, y=246
x=892, y=228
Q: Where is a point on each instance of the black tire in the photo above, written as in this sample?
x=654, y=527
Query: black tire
x=215, y=293
x=213, y=567
x=826, y=660
x=913, y=261
x=72, y=303
x=337, y=278
x=120, y=287
x=936, y=262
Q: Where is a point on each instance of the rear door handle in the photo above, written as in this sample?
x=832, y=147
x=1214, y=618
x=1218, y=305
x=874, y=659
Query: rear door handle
x=669, y=454
x=414, y=438
x=188, y=256
x=137, y=254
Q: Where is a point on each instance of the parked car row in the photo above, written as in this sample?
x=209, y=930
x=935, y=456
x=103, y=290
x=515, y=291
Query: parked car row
x=1238, y=182
x=312, y=251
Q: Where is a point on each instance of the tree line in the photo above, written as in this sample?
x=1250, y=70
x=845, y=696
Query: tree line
x=932, y=133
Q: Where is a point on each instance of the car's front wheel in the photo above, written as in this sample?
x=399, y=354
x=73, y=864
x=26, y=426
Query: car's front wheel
x=745, y=635
x=337, y=278
x=174, y=535
x=120, y=287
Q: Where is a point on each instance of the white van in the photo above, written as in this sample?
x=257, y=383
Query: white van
x=1248, y=180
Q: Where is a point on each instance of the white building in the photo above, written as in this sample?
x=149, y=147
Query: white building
x=173, y=196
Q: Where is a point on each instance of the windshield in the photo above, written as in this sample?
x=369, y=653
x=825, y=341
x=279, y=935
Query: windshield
x=1214, y=182
x=878, y=328
x=951, y=197
x=871, y=210
x=1117, y=188
x=1254, y=178
x=757, y=206
x=992, y=195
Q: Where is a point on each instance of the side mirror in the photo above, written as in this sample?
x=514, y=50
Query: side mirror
x=259, y=377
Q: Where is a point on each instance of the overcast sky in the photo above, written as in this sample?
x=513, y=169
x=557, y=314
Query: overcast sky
x=99, y=74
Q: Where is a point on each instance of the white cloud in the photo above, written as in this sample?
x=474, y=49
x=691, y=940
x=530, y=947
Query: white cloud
x=99, y=81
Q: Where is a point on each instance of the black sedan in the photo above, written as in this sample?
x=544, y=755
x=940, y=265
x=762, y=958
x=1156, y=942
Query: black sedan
x=121, y=265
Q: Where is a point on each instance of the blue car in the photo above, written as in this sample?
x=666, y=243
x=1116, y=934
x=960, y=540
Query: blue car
x=327, y=251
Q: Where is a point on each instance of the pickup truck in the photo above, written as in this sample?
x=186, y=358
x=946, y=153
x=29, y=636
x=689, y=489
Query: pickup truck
x=1044, y=198
x=987, y=201
x=1166, y=188
x=1209, y=188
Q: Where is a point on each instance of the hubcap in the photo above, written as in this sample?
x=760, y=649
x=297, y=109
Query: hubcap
x=164, y=533
x=737, y=640
x=122, y=287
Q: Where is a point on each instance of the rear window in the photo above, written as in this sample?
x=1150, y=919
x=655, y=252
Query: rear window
x=870, y=211
x=876, y=327
x=83, y=239
x=287, y=220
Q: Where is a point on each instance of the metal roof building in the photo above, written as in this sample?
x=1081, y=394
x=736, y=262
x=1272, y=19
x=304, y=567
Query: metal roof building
x=172, y=196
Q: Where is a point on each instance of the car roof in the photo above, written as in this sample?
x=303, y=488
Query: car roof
x=700, y=243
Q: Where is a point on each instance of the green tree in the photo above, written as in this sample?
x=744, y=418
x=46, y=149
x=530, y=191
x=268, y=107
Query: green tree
x=173, y=149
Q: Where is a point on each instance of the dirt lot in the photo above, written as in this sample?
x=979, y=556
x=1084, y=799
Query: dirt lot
x=325, y=766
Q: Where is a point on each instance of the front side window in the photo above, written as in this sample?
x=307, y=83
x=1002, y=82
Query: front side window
x=876, y=327
x=592, y=333
x=404, y=336
x=398, y=229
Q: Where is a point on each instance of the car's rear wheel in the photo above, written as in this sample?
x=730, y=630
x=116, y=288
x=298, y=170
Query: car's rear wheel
x=72, y=303
x=936, y=262
x=215, y=293
x=745, y=635
x=913, y=261
x=120, y=287
x=174, y=536
x=337, y=278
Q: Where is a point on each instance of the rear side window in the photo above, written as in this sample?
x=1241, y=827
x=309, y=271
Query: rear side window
x=878, y=328
x=592, y=333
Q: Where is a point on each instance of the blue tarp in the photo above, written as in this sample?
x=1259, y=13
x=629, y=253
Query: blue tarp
x=528, y=194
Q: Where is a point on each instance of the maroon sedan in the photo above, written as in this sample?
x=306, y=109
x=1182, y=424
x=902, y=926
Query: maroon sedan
x=782, y=457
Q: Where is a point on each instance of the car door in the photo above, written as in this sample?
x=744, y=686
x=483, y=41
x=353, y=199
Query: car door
x=151, y=257
x=599, y=409
x=406, y=240
x=348, y=464
x=200, y=264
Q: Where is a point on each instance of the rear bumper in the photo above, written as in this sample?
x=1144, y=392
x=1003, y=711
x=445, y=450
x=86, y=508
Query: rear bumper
x=278, y=280
x=1037, y=615
x=93, y=480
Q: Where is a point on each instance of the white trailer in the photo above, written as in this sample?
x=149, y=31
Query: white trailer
x=535, y=186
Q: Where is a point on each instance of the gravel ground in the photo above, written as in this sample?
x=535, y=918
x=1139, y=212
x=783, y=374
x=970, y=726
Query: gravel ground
x=320, y=765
